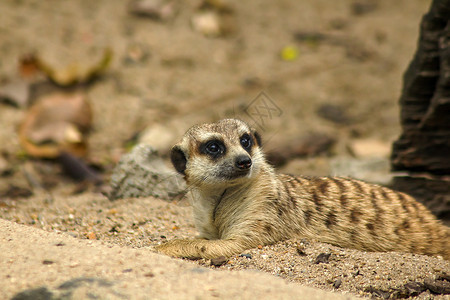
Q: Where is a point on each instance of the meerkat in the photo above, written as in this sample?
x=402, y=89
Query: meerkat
x=239, y=202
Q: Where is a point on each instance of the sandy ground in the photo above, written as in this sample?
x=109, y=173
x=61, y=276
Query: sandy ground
x=144, y=222
x=59, y=265
x=352, y=60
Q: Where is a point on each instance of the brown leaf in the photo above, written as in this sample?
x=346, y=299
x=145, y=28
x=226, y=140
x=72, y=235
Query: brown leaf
x=56, y=123
x=28, y=66
x=75, y=72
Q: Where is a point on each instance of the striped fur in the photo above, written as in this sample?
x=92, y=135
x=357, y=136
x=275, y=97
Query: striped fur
x=261, y=207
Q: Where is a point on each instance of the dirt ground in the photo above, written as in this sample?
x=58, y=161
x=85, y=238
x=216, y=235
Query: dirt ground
x=339, y=76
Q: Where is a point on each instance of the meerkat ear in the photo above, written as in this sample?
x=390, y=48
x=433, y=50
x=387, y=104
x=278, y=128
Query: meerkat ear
x=257, y=137
x=178, y=159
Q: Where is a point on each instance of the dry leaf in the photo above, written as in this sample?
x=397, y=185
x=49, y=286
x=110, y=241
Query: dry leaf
x=28, y=66
x=75, y=72
x=57, y=123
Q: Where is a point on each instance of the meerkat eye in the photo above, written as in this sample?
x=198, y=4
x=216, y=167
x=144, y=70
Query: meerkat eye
x=214, y=148
x=246, y=141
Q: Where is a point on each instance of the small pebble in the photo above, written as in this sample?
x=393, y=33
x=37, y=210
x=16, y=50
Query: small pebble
x=219, y=261
x=322, y=258
x=246, y=255
x=301, y=250
x=337, y=283
x=439, y=287
x=91, y=235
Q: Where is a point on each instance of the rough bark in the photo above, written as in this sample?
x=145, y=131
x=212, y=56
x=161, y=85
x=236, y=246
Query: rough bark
x=423, y=149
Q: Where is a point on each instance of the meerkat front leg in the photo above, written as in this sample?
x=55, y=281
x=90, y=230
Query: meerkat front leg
x=201, y=248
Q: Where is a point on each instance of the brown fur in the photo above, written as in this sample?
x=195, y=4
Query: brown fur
x=261, y=207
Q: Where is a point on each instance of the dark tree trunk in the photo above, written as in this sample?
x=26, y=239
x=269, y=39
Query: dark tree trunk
x=423, y=149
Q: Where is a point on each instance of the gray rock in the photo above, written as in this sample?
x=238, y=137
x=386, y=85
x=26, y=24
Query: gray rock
x=219, y=261
x=41, y=293
x=77, y=282
x=77, y=288
x=143, y=173
x=370, y=169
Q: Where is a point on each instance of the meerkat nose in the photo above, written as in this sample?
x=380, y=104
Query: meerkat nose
x=243, y=162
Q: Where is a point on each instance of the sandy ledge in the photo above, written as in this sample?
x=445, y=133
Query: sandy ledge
x=32, y=258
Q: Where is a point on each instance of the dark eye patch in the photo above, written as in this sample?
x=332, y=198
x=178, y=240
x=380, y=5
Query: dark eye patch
x=246, y=141
x=214, y=148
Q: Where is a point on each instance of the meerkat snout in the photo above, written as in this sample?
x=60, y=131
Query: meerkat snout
x=213, y=154
x=243, y=162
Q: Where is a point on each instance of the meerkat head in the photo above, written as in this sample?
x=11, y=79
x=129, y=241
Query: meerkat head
x=227, y=152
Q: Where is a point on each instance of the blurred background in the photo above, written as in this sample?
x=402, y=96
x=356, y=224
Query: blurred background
x=319, y=79
x=82, y=82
